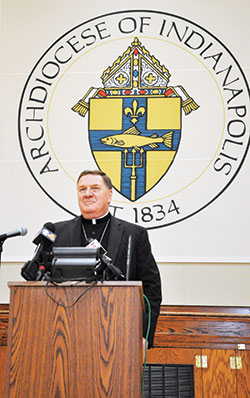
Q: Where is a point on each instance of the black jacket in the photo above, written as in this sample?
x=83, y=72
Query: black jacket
x=143, y=266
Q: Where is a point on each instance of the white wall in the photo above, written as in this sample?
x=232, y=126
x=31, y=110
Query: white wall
x=221, y=281
x=182, y=284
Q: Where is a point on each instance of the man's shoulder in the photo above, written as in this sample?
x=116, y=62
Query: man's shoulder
x=128, y=225
x=64, y=223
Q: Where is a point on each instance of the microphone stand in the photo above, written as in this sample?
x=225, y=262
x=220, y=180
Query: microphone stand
x=1, y=249
x=116, y=272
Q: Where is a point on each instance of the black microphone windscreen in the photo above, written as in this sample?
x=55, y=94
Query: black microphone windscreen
x=29, y=270
x=46, y=233
x=50, y=226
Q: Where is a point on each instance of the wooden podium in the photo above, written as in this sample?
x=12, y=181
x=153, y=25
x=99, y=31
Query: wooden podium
x=91, y=349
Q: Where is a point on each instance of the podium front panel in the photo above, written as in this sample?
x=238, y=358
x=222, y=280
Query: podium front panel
x=73, y=341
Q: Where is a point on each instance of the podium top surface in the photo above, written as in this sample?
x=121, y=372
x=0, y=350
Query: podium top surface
x=74, y=283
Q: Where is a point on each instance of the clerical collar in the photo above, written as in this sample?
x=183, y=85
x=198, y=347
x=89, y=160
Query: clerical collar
x=95, y=221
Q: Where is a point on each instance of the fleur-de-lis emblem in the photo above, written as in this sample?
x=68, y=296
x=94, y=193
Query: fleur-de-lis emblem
x=134, y=112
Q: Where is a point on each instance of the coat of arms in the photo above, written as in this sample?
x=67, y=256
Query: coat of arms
x=135, y=121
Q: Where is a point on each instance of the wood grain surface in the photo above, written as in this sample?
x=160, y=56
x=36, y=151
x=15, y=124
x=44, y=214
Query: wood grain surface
x=182, y=333
x=89, y=349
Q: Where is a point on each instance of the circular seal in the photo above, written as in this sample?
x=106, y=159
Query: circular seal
x=153, y=99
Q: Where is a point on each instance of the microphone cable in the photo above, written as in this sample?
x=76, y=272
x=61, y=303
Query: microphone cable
x=66, y=286
x=146, y=343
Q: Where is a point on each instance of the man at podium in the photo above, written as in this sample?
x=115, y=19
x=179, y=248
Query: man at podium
x=126, y=244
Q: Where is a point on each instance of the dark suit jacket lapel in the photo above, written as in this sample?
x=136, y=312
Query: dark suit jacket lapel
x=75, y=232
x=115, y=236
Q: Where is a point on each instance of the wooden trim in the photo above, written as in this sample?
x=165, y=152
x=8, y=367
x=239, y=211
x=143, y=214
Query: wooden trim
x=205, y=310
x=187, y=326
x=203, y=327
x=4, y=315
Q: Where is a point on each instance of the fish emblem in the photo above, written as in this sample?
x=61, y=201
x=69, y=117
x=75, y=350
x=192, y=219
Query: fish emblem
x=132, y=138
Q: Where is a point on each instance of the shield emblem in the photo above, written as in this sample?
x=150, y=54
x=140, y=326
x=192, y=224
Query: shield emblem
x=134, y=139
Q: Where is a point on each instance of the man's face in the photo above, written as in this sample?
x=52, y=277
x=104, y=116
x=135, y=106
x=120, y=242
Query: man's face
x=93, y=196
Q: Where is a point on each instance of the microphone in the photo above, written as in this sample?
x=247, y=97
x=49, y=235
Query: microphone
x=128, y=258
x=106, y=260
x=47, y=232
x=44, y=239
x=40, y=273
x=34, y=269
x=115, y=271
x=16, y=232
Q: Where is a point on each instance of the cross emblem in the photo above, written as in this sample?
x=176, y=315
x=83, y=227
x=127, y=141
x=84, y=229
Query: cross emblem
x=150, y=78
x=121, y=79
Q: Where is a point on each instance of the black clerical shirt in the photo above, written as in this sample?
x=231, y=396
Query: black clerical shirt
x=96, y=229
